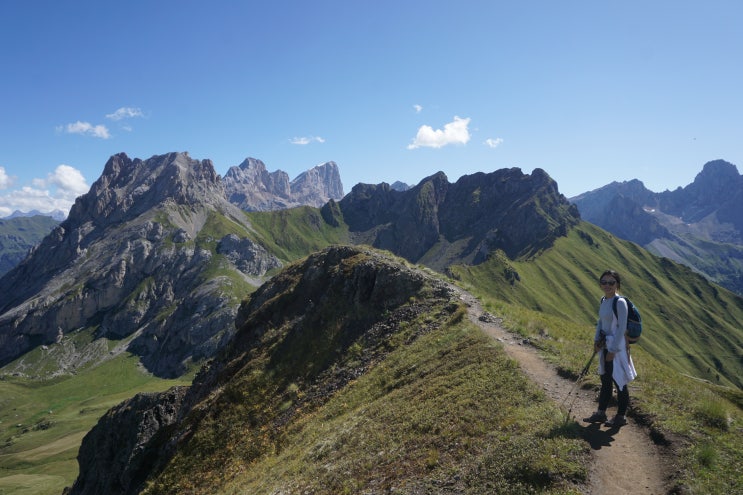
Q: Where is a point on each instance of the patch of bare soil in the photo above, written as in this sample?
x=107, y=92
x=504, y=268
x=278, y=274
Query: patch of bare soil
x=624, y=460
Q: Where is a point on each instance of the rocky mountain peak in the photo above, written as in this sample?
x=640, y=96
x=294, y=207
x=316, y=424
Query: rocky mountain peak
x=129, y=187
x=717, y=180
x=251, y=187
x=318, y=185
x=129, y=261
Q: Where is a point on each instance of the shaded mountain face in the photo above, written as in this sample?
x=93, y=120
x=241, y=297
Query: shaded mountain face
x=145, y=259
x=438, y=223
x=251, y=187
x=295, y=332
x=700, y=225
x=18, y=235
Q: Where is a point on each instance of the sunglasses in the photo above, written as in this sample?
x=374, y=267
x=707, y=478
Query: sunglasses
x=611, y=283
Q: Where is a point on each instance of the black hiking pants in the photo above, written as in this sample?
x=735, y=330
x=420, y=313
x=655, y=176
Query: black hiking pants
x=607, y=385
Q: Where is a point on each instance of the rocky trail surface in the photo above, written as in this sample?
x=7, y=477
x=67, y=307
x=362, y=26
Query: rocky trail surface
x=624, y=460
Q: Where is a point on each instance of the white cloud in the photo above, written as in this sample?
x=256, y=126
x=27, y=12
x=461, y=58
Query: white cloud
x=493, y=143
x=57, y=191
x=306, y=140
x=125, y=113
x=418, y=108
x=455, y=132
x=86, y=128
x=68, y=180
x=5, y=180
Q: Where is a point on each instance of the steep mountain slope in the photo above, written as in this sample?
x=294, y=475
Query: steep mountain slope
x=18, y=235
x=150, y=259
x=700, y=225
x=313, y=394
x=251, y=187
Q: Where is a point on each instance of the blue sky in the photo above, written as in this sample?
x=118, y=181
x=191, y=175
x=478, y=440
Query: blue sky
x=591, y=92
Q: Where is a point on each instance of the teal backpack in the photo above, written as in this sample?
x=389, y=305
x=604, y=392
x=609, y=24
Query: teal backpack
x=634, y=320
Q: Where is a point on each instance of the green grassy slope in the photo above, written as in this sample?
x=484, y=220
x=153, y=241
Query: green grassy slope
x=689, y=323
x=294, y=233
x=43, y=422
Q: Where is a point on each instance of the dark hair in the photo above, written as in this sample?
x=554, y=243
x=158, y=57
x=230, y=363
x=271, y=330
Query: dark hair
x=613, y=274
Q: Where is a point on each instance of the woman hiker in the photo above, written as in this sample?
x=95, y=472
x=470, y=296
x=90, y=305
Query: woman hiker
x=615, y=362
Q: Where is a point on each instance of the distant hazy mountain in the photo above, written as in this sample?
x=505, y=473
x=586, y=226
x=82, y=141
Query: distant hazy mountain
x=251, y=187
x=700, y=225
x=58, y=215
x=18, y=234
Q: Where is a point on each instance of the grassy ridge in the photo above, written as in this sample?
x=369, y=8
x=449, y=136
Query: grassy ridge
x=449, y=411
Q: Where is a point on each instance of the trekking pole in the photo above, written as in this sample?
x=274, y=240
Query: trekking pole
x=582, y=374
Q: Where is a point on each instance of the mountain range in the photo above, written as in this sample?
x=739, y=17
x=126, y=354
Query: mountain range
x=700, y=225
x=154, y=257
x=291, y=319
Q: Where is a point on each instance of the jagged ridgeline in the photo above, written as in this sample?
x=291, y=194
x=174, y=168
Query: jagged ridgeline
x=154, y=259
x=350, y=372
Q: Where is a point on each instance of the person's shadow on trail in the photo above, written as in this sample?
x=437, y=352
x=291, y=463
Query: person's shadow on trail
x=596, y=437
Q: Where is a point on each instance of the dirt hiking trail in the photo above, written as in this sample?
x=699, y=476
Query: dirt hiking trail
x=624, y=460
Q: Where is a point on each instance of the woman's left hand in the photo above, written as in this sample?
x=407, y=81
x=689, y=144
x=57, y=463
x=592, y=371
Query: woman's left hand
x=610, y=356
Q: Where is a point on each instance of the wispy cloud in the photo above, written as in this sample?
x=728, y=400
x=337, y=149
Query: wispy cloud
x=302, y=141
x=57, y=191
x=455, y=132
x=87, y=129
x=125, y=113
x=418, y=108
x=493, y=143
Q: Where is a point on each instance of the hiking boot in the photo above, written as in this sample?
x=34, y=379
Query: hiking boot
x=597, y=417
x=617, y=421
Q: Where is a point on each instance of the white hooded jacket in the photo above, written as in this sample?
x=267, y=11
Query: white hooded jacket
x=609, y=326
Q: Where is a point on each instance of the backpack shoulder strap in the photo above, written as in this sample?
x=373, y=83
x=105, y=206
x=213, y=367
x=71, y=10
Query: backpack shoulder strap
x=614, y=306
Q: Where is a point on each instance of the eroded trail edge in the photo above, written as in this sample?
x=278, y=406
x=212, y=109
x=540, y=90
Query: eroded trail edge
x=624, y=460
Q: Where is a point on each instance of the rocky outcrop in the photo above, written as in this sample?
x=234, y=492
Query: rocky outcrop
x=117, y=455
x=438, y=223
x=251, y=187
x=294, y=332
x=129, y=265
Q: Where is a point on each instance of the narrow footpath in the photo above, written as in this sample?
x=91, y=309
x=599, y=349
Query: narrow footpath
x=625, y=460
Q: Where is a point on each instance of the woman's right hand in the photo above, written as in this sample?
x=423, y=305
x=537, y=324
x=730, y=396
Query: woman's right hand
x=609, y=356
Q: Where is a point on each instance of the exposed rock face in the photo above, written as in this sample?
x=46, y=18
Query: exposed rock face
x=301, y=325
x=700, y=225
x=251, y=187
x=129, y=262
x=117, y=455
x=437, y=222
